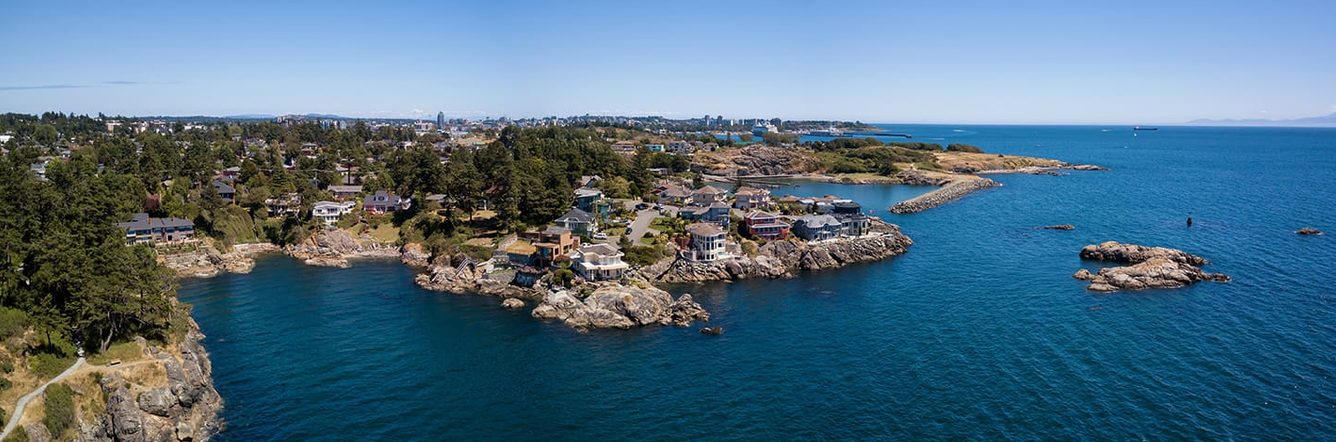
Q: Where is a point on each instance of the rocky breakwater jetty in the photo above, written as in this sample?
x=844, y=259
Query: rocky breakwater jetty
x=1150, y=267
x=621, y=306
x=332, y=247
x=205, y=261
x=951, y=191
x=177, y=402
x=784, y=258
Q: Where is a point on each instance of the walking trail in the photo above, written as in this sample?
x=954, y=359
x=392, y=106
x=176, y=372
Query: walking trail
x=23, y=401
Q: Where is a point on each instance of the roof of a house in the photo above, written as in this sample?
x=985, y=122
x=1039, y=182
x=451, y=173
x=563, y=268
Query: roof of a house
x=709, y=190
x=345, y=189
x=585, y=192
x=576, y=215
x=760, y=214
x=817, y=221
x=388, y=198
x=222, y=187
x=600, y=250
x=521, y=248
x=142, y=221
x=751, y=191
x=556, y=230
x=676, y=192
x=705, y=229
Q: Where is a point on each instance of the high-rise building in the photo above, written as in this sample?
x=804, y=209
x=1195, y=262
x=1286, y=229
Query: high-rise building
x=440, y=120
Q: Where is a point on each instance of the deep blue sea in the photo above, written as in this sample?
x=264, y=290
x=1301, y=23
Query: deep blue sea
x=978, y=332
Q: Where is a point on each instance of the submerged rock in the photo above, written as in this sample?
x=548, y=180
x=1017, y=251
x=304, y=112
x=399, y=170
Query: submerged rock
x=1150, y=267
x=1308, y=231
x=713, y=331
x=1059, y=227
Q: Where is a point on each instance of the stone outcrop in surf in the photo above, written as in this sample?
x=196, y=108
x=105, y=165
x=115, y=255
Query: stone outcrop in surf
x=334, y=247
x=461, y=276
x=947, y=193
x=1149, y=267
x=1308, y=231
x=784, y=258
x=622, y=306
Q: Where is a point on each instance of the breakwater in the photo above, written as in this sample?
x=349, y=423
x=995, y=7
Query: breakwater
x=950, y=192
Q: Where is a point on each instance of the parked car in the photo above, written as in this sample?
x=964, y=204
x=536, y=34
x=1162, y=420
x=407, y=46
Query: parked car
x=600, y=235
x=642, y=206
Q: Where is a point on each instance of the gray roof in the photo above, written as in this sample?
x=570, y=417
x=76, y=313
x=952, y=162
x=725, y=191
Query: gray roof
x=705, y=229
x=222, y=187
x=818, y=221
x=345, y=189
x=141, y=221
x=576, y=215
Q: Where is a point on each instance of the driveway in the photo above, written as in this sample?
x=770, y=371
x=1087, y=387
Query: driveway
x=640, y=225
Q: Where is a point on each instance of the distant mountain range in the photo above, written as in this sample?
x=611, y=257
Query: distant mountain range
x=1323, y=121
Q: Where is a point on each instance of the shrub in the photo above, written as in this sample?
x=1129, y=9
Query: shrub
x=643, y=255
x=12, y=322
x=19, y=435
x=915, y=145
x=48, y=365
x=59, y=409
x=963, y=148
x=4, y=385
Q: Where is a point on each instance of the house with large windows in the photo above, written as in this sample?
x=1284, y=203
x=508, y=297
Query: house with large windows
x=144, y=229
x=329, y=212
x=707, y=243
x=599, y=262
x=766, y=225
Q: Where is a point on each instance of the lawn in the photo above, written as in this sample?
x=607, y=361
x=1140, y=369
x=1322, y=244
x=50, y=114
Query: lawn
x=385, y=233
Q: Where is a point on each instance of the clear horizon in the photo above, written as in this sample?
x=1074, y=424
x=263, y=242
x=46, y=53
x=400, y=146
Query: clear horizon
x=965, y=63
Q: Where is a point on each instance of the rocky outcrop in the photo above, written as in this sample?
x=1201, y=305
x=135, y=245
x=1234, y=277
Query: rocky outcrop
x=471, y=279
x=784, y=258
x=333, y=247
x=917, y=178
x=1059, y=227
x=415, y=255
x=949, y=192
x=182, y=407
x=622, y=306
x=1308, y=231
x=205, y=261
x=512, y=304
x=1149, y=267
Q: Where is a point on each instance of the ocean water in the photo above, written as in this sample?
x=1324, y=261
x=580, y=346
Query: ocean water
x=978, y=332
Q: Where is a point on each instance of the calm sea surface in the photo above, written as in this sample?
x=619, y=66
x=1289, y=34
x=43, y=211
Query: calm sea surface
x=978, y=332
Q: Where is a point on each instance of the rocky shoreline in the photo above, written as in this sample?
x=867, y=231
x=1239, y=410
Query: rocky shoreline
x=207, y=262
x=181, y=405
x=617, y=305
x=947, y=193
x=332, y=247
x=785, y=258
x=1149, y=267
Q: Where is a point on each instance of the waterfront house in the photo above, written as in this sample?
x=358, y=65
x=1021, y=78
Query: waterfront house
x=521, y=253
x=143, y=229
x=707, y=243
x=551, y=243
x=329, y=212
x=852, y=219
x=817, y=227
x=385, y=202
x=342, y=193
x=708, y=195
x=527, y=276
x=286, y=204
x=579, y=222
x=766, y=225
x=823, y=204
x=599, y=262
x=747, y=198
x=225, y=191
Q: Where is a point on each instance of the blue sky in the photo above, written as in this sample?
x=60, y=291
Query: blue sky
x=881, y=61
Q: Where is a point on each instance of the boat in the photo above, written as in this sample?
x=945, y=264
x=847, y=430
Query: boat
x=761, y=128
x=1145, y=128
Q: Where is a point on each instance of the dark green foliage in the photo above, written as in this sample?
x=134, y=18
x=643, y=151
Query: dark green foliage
x=12, y=323
x=59, y=409
x=643, y=255
x=874, y=159
x=776, y=138
x=914, y=145
x=963, y=148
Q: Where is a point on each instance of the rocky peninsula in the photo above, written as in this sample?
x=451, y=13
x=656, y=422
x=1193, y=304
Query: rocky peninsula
x=950, y=192
x=1149, y=267
x=204, y=260
x=617, y=305
x=785, y=258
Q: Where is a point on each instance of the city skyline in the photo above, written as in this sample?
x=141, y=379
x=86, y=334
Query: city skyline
x=1038, y=62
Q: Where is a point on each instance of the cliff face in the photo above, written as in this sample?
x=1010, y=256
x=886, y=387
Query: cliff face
x=333, y=248
x=177, y=402
x=780, y=259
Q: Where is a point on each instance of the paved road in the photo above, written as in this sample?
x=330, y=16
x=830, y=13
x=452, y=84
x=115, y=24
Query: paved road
x=641, y=224
x=23, y=401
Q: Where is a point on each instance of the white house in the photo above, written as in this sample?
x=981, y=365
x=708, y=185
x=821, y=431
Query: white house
x=599, y=262
x=330, y=212
x=708, y=242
